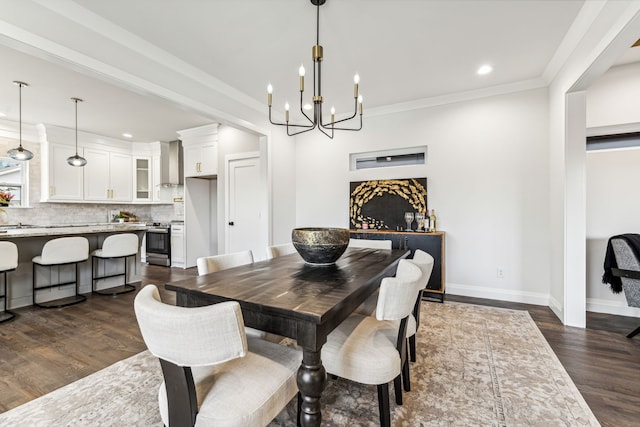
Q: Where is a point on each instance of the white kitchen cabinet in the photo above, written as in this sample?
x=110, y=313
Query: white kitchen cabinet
x=143, y=179
x=201, y=160
x=107, y=176
x=177, y=245
x=64, y=181
x=200, y=151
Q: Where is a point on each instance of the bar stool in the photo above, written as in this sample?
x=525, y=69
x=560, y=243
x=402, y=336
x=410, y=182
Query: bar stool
x=117, y=246
x=8, y=262
x=59, y=252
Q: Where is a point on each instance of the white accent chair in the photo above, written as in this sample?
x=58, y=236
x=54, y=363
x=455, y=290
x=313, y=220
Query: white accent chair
x=280, y=250
x=213, y=375
x=425, y=262
x=8, y=262
x=59, y=252
x=116, y=246
x=370, y=243
x=362, y=349
x=368, y=307
x=213, y=263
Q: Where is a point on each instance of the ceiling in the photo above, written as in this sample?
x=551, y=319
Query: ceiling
x=403, y=50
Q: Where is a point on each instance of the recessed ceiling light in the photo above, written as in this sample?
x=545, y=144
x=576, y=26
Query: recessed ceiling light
x=485, y=69
x=127, y=135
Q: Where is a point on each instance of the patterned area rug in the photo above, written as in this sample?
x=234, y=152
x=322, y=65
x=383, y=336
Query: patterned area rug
x=477, y=366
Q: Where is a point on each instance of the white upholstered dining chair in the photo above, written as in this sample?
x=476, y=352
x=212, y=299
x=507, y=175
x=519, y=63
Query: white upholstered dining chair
x=370, y=243
x=213, y=263
x=214, y=375
x=425, y=262
x=275, y=251
x=368, y=307
x=372, y=350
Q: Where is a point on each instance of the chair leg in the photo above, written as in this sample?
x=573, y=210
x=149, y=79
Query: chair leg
x=406, y=381
x=5, y=315
x=397, y=387
x=383, y=405
x=116, y=290
x=412, y=347
x=634, y=333
x=61, y=302
x=298, y=422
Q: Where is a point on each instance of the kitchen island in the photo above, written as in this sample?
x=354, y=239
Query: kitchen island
x=31, y=238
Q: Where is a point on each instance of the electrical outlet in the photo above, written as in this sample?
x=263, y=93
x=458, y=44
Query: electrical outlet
x=500, y=273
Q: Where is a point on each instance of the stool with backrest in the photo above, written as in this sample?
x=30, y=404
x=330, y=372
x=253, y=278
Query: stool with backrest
x=57, y=253
x=8, y=262
x=214, y=375
x=114, y=247
x=280, y=250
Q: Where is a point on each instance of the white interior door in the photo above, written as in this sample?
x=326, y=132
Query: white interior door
x=244, y=214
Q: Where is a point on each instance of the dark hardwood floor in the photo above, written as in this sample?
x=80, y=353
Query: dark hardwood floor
x=42, y=350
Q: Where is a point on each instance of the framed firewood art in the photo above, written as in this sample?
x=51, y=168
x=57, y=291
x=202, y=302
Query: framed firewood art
x=381, y=204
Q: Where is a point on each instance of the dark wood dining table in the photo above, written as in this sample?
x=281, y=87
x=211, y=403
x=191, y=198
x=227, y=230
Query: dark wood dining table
x=286, y=296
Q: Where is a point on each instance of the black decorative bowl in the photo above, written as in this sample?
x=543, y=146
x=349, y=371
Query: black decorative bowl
x=320, y=246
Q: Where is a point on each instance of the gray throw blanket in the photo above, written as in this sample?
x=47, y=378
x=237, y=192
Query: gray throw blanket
x=610, y=260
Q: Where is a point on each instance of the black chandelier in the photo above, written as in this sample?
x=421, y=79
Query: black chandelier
x=317, y=122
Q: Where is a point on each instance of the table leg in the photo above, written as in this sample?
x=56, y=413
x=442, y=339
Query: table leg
x=312, y=378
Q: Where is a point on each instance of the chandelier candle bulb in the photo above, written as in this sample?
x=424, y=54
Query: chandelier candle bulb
x=360, y=103
x=269, y=94
x=356, y=81
x=301, y=74
x=333, y=115
x=286, y=112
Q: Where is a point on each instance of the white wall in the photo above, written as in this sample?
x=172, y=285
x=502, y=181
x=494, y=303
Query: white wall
x=487, y=177
x=230, y=141
x=282, y=170
x=613, y=198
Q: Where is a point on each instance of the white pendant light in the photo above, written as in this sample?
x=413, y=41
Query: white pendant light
x=77, y=161
x=20, y=153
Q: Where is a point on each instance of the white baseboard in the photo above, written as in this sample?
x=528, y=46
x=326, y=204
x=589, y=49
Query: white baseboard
x=556, y=307
x=593, y=304
x=498, y=294
x=611, y=307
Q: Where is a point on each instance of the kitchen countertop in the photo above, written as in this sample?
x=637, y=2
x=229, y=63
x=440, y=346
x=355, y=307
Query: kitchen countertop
x=15, y=231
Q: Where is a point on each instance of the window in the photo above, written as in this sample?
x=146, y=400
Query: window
x=388, y=158
x=13, y=181
x=608, y=142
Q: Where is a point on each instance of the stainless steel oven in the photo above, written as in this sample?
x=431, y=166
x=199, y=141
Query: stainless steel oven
x=158, y=245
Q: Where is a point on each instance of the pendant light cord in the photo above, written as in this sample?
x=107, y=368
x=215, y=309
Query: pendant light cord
x=318, y=24
x=20, y=110
x=76, y=102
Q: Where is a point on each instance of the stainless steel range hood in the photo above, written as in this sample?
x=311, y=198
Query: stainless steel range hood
x=171, y=164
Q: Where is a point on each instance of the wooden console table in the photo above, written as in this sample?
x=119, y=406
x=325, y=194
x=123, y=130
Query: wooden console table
x=432, y=243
